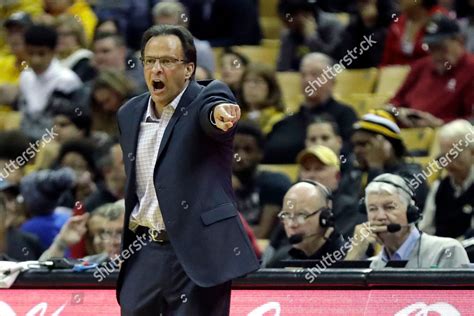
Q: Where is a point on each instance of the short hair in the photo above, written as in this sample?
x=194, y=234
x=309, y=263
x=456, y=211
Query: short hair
x=41, y=35
x=230, y=51
x=456, y=130
x=380, y=185
x=319, y=58
x=252, y=129
x=117, y=38
x=274, y=97
x=115, y=80
x=326, y=118
x=175, y=9
x=110, y=211
x=185, y=37
x=76, y=28
x=293, y=6
x=12, y=144
x=79, y=116
x=83, y=147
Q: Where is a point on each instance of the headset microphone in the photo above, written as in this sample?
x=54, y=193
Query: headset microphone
x=297, y=238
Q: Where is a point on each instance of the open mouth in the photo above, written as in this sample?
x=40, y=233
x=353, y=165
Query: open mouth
x=158, y=85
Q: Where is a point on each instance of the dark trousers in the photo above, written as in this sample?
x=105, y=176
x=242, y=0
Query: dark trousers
x=154, y=284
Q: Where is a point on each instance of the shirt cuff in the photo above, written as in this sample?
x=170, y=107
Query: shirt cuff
x=211, y=118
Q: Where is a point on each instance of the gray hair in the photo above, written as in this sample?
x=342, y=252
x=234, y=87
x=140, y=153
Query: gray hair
x=170, y=8
x=111, y=211
x=456, y=130
x=318, y=58
x=380, y=185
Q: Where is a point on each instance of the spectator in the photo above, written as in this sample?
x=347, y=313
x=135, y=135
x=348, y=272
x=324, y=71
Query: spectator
x=220, y=21
x=259, y=194
x=110, y=53
x=39, y=84
x=309, y=225
x=11, y=64
x=113, y=187
x=109, y=25
x=370, y=21
x=389, y=201
x=448, y=208
x=41, y=192
x=261, y=97
x=404, y=42
x=72, y=47
x=80, y=9
x=14, y=144
x=467, y=22
x=308, y=30
x=287, y=137
x=13, y=202
x=233, y=65
x=203, y=74
x=439, y=87
x=379, y=148
x=109, y=91
x=174, y=13
x=319, y=163
x=79, y=156
x=15, y=245
x=323, y=130
x=71, y=123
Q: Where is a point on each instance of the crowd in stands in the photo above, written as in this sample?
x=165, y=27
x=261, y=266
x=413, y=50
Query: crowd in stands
x=355, y=113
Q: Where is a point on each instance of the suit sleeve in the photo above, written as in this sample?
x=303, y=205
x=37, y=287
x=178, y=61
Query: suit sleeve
x=215, y=93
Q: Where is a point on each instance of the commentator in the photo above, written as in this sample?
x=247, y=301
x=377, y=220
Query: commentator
x=308, y=221
x=392, y=216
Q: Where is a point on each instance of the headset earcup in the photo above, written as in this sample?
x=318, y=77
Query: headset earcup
x=326, y=218
x=361, y=207
x=413, y=214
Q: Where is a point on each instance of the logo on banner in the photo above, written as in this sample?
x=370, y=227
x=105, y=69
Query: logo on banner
x=40, y=309
x=268, y=307
x=422, y=309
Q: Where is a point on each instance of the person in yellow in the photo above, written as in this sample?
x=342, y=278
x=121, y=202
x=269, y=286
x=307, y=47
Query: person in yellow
x=261, y=97
x=80, y=9
x=7, y=8
x=11, y=65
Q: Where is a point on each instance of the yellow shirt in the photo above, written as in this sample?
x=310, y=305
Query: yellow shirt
x=266, y=118
x=84, y=13
x=9, y=73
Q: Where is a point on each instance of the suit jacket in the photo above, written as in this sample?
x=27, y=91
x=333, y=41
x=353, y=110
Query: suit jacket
x=192, y=178
x=436, y=251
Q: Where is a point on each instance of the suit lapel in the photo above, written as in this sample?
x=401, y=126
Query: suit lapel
x=188, y=97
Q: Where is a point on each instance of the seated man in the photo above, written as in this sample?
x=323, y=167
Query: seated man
x=448, y=208
x=392, y=215
x=319, y=163
x=439, y=87
x=287, y=137
x=309, y=225
x=259, y=194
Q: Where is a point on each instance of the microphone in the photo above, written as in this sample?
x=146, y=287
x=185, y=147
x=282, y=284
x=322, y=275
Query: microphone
x=393, y=228
x=297, y=238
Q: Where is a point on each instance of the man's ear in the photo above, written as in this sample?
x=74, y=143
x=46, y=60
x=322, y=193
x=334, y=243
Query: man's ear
x=189, y=70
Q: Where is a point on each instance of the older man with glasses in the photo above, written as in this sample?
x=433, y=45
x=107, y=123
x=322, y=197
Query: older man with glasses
x=309, y=225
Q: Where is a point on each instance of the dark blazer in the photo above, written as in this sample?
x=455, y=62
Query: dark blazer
x=192, y=178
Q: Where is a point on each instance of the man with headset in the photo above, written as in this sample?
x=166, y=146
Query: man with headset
x=392, y=215
x=309, y=225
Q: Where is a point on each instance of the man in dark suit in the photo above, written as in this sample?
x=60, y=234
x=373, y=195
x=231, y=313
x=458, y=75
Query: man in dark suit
x=177, y=147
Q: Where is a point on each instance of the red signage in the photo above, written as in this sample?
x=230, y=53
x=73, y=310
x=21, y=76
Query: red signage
x=255, y=302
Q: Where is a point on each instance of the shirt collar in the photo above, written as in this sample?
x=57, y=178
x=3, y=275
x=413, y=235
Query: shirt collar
x=51, y=71
x=150, y=112
x=405, y=249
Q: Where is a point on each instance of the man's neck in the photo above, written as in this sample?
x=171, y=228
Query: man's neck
x=312, y=103
x=247, y=176
x=313, y=245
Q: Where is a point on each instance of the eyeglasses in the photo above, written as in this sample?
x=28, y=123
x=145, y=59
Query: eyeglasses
x=165, y=62
x=299, y=217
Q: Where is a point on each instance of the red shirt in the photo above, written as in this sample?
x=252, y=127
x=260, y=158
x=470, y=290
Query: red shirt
x=393, y=54
x=447, y=96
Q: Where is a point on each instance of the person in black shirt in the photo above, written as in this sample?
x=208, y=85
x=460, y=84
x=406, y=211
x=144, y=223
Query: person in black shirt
x=259, y=193
x=309, y=225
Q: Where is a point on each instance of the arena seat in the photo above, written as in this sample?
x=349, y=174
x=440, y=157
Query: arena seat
x=351, y=81
x=362, y=103
x=391, y=78
x=291, y=89
x=418, y=141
